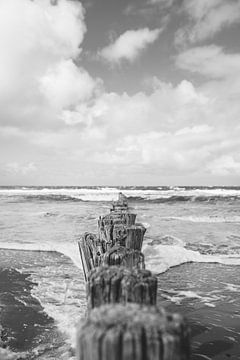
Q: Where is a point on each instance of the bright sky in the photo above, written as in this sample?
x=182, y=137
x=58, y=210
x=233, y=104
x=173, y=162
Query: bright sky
x=117, y=92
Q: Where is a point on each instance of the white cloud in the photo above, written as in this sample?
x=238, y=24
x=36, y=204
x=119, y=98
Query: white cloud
x=65, y=85
x=178, y=130
x=69, y=129
x=129, y=45
x=210, y=61
x=206, y=18
x=38, y=77
x=225, y=165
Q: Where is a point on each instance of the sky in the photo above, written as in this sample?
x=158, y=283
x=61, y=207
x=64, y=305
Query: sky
x=117, y=92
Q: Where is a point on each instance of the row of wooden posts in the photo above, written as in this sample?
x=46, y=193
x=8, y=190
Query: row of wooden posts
x=123, y=321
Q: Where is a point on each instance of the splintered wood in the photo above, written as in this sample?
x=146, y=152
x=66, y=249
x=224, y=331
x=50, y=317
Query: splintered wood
x=120, y=332
x=123, y=321
x=113, y=284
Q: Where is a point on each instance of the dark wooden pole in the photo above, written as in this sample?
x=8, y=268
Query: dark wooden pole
x=134, y=238
x=114, y=284
x=132, y=332
x=120, y=255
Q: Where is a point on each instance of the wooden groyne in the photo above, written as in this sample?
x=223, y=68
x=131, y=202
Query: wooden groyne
x=123, y=321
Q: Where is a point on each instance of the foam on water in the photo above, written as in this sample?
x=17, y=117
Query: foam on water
x=159, y=258
x=178, y=296
x=207, y=219
x=68, y=249
x=62, y=297
x=109, y=194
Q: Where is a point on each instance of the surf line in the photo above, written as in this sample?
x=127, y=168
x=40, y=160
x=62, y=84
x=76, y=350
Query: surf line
x=123, y=321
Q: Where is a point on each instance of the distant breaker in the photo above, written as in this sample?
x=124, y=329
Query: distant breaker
x=156, y=194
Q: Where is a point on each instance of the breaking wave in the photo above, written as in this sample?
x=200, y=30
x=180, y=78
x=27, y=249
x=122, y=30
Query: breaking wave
x=206, y=219
x=68, y=249
x=134, y=194
x=160, y=255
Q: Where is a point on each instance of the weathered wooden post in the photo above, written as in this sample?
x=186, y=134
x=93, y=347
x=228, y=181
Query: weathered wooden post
x=91, y=252
x=119, y=255
x=134, y=238
x=113, y=227
x=113, y=284
x=123, y=322
x=132, y=332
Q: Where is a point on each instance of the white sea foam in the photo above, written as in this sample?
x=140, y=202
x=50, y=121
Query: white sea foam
x=206, y=219
x=68, y=249
x=62, y=299
x=177, y=296
x=109, y=194
x=233, y=287
x=159, y=258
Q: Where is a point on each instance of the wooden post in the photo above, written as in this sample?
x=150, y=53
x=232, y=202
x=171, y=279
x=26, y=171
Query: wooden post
x=91, y=252
x=132, y=332
x=109, y=227
x=113, y=284
x=120, y=255
x=123, y=322
x=134, y=238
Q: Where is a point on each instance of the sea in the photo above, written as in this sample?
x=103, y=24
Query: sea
x=192, y=244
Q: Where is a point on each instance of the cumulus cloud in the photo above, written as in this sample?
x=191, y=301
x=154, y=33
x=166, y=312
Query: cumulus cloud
x=129, y=45
x=38, y=77
x=65, y=85
x=71, y=130
x=181, y=130
x=206, y=18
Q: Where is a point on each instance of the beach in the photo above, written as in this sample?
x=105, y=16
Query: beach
x=192, y=243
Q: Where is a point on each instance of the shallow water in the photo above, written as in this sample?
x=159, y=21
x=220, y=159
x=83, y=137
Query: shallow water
x=42, y=297
x=208, y=295
x=201, y=226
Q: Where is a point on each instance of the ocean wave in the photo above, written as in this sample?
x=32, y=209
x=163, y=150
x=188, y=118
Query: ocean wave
x=206, y=219
x=68, y=249
x=229, y=249
x=160, y=255
x=61, y=293
x=55, y=284
x=154, y=195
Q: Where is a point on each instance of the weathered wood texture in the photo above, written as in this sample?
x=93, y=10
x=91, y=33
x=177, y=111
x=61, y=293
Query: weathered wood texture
x=113, y=284
x=123, y=321
x=91, y=252
x=120, y=255
x=112, y=228
x=119, y=240
x=135, y=234
x=121, y=204
x=132, y=332
x=120, y=228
